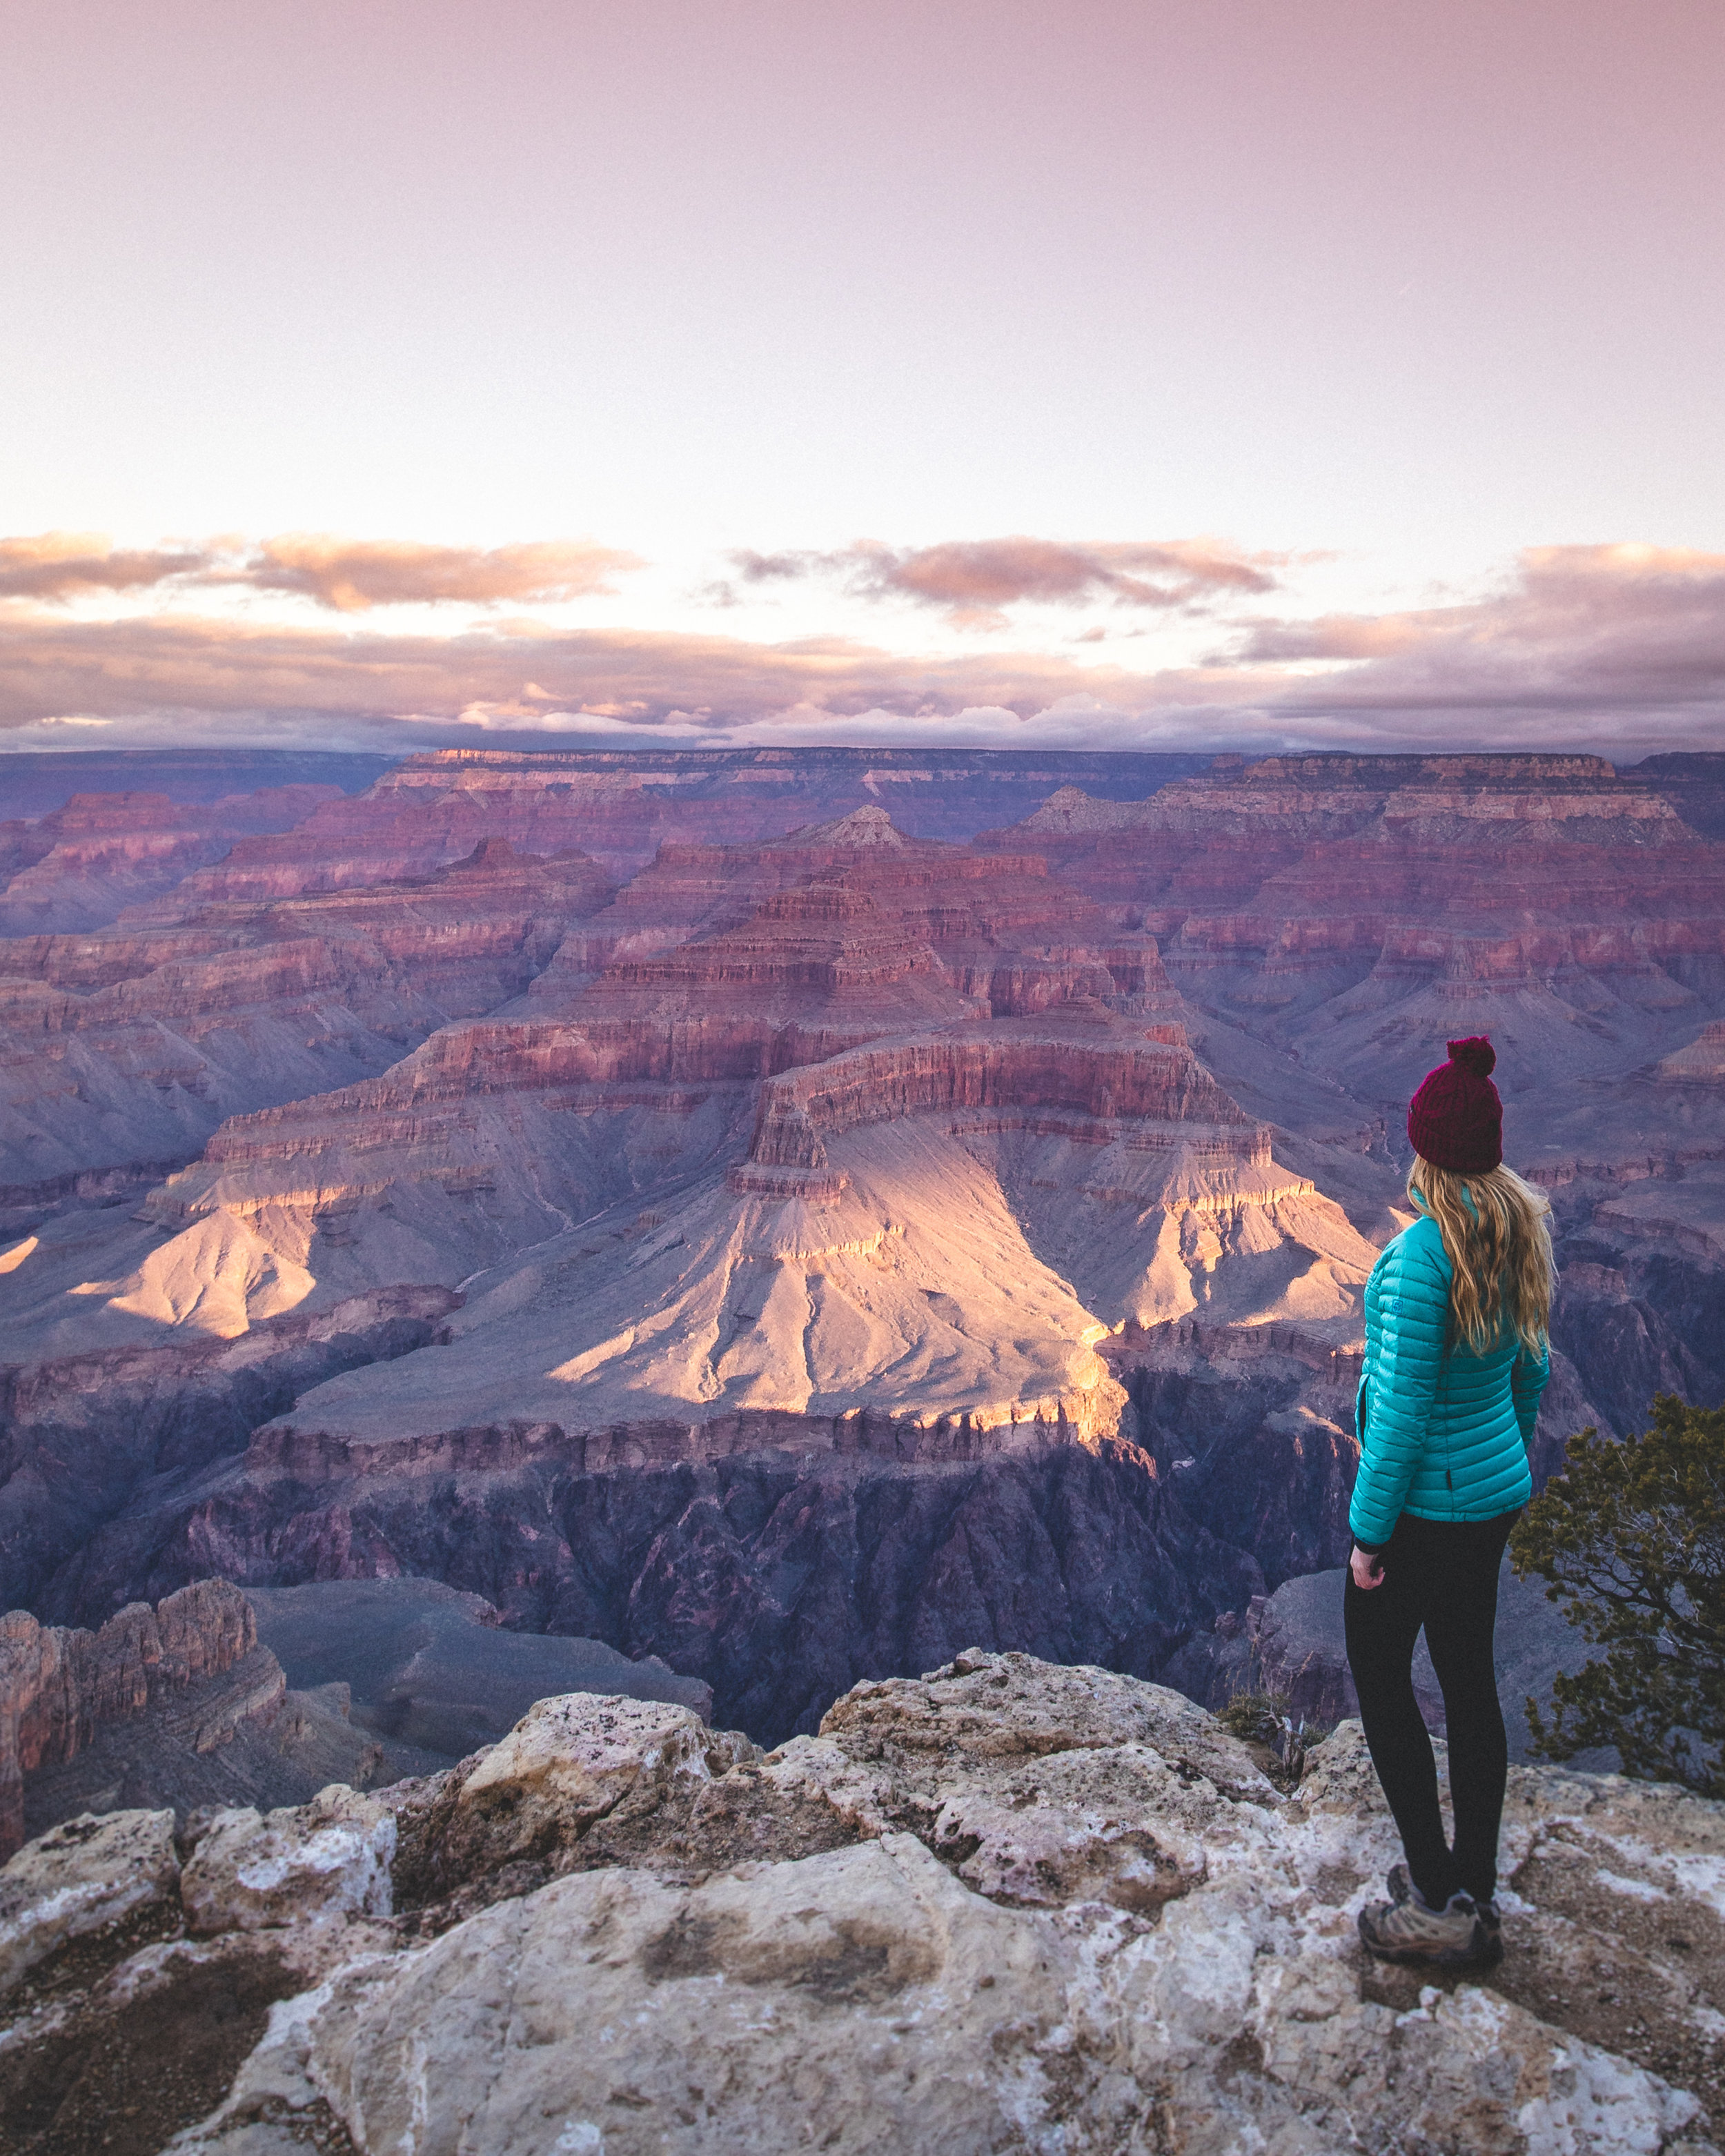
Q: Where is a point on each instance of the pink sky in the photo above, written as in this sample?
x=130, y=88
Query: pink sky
x=1254, y=371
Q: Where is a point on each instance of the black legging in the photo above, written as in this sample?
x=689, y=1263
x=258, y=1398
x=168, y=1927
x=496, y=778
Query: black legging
x=1442, y=1574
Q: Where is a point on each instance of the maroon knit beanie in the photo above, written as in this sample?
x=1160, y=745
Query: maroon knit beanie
x=1456, y=1120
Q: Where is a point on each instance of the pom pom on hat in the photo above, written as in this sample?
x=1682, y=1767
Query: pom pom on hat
x=1456, y=1120
x=1475, y=1054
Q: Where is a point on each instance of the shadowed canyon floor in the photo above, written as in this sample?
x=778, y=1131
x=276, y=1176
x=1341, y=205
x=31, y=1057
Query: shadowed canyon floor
x=780, y=1214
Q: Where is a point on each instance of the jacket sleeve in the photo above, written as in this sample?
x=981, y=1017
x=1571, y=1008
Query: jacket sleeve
x=1527, y=1382
x=1414, y=1305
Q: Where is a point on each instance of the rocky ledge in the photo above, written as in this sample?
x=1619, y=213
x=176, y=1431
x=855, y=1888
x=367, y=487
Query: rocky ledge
x=1007, y=1905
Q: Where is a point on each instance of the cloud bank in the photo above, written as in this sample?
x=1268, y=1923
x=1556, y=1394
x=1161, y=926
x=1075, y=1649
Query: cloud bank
x=1619, y=648
x=1629, y=632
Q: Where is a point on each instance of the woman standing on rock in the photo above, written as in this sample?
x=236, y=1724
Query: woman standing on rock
x=1457, y=1309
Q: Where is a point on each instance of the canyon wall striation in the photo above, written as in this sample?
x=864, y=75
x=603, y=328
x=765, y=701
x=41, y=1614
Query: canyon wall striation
x=775, y=1575
x=84, y=1437
x=127, y=1048
x=83, y=863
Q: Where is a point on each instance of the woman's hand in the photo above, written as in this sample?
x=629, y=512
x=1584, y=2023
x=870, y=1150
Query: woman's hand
x=1367, y=1571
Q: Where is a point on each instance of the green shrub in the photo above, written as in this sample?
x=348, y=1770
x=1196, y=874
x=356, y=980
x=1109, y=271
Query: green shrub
x=1260, y=1717
x=1632, y=1538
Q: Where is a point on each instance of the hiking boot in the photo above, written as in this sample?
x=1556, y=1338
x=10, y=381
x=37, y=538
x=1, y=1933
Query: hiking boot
x=1400, y=1883
x=1453, y=1937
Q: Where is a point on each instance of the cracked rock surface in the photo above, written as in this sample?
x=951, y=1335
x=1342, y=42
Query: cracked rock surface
x=1005, y=1906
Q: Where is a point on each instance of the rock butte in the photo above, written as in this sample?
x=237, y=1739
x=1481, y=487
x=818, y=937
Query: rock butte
x=801, y=1253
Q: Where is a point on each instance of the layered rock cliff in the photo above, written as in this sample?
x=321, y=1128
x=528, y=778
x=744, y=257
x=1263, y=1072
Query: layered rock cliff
x=81, y=864
x=623, y=807
x=84, y=1438
x=126, y=1049
x=775, y=1571
x=711, y=1078
x=59, y=1686
x=194, y=1705
x=830, y=1205
x=1352, y=910
x=1334, y=919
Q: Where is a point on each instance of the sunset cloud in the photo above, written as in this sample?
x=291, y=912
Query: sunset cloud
x=1609, y=646
x=353, y=575
x=349, y=576
x=60, y=565
x=974, y=579
x=643, y=678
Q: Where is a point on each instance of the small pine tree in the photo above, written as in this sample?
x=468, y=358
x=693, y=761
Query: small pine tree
x=1632, y=1538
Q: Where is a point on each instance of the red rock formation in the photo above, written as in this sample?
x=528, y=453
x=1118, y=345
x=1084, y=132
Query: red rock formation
x=1409, y=827
x=1693, y=784
x=623, y=807
x=1356, y=911
x=131, y=1043
x=857, y=934
x=80, y=865
x=892, y=981
x=824, y=897
x=321, y=1456
x=803, y=1127
x=381, y=837
x=779, y=1576
x=57, y=1686
x=1023, y=1069
x=1703, y=1062
x=80, y=1434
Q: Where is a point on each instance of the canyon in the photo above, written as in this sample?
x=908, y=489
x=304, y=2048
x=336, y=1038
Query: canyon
x=799, y=1214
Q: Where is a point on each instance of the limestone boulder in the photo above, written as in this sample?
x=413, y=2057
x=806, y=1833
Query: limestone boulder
x=987, y=1707
x=865, y=2000
x=1340, y=1778
x=313, y=1863
x=860, y=1793
x=1101, y=1826
x=82, y=1876
x=571, y=1760
x=1044, y=1786
x=584, y=1764
x=863, y=1994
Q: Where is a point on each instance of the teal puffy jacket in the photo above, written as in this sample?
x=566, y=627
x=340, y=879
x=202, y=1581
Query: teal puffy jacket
x=1443, y=1432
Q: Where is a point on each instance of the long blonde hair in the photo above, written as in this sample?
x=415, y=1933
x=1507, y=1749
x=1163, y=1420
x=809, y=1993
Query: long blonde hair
x=1497, y=1240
